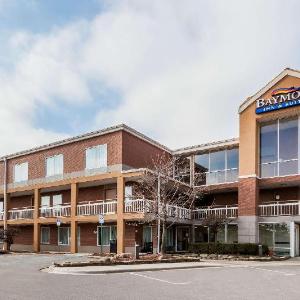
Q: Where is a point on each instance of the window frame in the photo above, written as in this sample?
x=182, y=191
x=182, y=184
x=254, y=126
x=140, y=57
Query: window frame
x=95, y=147
x=58, y=235
x=49, y=232
x=110, y=230
x=27, y=173
x=53, y=157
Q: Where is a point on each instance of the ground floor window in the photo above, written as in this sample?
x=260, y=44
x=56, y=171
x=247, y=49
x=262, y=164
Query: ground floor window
x=45, y=235
x=147, y=234
x=225, y=234
x=64, y=236
x=78, y=236
x=106, y=235
x=276, y=236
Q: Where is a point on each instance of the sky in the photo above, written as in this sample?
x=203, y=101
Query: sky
x=175, y=70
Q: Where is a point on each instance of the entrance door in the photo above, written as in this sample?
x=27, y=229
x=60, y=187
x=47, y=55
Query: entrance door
x=183, y=236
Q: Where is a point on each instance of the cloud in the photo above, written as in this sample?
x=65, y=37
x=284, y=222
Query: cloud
x=181, y=68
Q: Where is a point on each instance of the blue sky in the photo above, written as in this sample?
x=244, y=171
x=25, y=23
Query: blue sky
x=174, y=70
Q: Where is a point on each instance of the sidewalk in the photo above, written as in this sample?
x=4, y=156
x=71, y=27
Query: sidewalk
x=128, y=268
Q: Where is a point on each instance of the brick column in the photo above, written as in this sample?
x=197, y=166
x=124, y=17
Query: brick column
x=74, y=225
x=36, y=224
x=120, y=215
x=248, y=196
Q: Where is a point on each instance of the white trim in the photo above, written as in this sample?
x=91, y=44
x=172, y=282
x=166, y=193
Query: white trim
x=248, y=176
x=284, y=73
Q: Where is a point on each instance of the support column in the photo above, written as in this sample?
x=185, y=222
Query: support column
x=120, y=215
x=5, y=216
x=248, y=201
x=292, y=239
x=74, y=225
x=36, y=224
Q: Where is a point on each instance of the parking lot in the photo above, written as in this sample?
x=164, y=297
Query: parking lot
x=20, y=278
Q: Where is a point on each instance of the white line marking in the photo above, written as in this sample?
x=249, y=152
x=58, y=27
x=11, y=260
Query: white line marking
x=274, y=271
x=161, y=280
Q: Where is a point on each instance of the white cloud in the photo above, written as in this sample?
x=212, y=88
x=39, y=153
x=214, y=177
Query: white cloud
x=182, y=68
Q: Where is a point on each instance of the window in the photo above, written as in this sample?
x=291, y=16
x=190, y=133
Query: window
x=109, y=233
x=45, y=201
x=128, y=194
x=21, y=172
x=96, y=157
x=55, y=165
x=45, y=235
x=64, y=236
x=279, y=148
x=57, y=200
x=1, y=206
x=216, y=167
x=147, y=234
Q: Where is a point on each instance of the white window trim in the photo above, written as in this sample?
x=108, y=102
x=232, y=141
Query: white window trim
x=92, y=147
x=58, y=236
x=105, y=226
x=48, y=228
x=58, y=174
x=23, y=163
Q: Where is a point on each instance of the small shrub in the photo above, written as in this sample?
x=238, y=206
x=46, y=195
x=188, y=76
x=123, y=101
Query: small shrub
x=226, y=248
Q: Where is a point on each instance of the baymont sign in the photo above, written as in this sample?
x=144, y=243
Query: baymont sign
x=281, y=98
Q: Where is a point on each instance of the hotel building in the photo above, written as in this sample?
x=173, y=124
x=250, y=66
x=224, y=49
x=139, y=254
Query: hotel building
x=253, y=180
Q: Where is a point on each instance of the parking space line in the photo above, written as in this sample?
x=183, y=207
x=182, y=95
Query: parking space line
x=161, y=280
x=274, y=271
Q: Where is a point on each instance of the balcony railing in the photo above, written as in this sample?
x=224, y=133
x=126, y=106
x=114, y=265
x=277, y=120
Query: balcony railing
x=93, y=208
x=216, y=177
x=286, y=208
x=227, y=211
x=55, y=211
x=179, y=212
x=20, y=213
x=138, y=206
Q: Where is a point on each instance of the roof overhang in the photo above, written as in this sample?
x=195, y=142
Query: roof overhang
x=284, y=73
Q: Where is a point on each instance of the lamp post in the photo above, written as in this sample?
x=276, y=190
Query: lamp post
x=101, y=222
x=58, y=223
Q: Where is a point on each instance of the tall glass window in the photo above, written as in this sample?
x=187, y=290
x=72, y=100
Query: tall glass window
x=216, y=167
x=21, y=172
x=63, y=235
x=279, y=148
x=55, y=165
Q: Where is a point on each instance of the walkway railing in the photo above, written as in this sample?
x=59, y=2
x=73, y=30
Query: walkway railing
x=179, y=212
x=283, y=208
x=20, y=213
x=138, y=206
x=227, y=211
x=93, y=208
x=55, y=211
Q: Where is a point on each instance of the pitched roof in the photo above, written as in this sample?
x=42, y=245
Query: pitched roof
x=88, y=136
x=208, y=146
x=285, y=72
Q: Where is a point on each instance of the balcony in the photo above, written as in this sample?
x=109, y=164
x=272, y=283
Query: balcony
x=216, y=177
x=20, y=213
x=93, y=208
x=228, y=211
x=282, y=208
x=55, y=211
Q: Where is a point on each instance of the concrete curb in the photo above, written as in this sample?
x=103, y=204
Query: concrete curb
x=117, y=269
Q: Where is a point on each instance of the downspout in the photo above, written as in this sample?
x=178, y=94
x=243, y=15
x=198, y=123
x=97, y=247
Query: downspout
x=5, y=200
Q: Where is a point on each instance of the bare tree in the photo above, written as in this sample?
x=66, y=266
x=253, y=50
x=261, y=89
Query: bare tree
x=7, y=236
x=165, y=194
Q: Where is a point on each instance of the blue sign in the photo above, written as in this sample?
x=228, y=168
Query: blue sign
x=280, y=99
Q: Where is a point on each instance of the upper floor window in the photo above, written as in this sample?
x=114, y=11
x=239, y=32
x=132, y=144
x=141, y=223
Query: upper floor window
x=96, y=157
x=21, y=172
x=55, y=165
x=279, y=148
x=217, y=167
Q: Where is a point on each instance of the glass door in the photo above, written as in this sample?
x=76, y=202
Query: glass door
x=183, y=236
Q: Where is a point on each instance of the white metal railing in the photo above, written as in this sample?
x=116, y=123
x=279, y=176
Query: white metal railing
x=216, y=177
x=1, y=215
x=174, y=211
x=227, y=211
x=286, y=208
x=93, y=208
x=20, y=213
x=138, y=206
x=63, y=210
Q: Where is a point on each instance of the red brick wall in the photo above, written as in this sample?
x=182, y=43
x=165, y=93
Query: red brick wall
x=97, y=193
x=137, y=153
x=288, y=193
x=74, y=155
x=1, y=172
x=248, y=197
x=21, y=201
x=130, y=235
x=87, y=235
x=25, y=235
x=229, y=198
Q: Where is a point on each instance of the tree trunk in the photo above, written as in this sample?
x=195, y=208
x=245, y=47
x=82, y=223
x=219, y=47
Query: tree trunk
x=163, y=238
